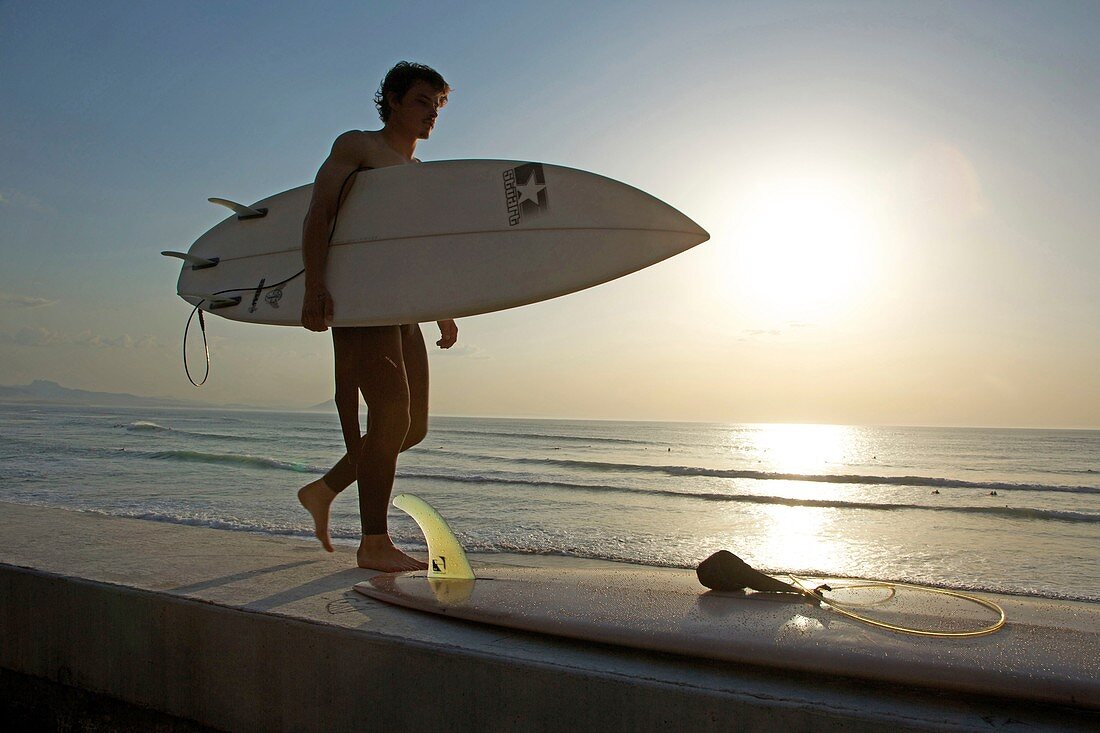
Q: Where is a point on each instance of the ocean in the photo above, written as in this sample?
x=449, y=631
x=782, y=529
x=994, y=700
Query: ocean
x=1012, y=511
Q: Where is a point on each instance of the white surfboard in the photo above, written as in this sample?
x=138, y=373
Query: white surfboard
x=1046, y=651
x=430, y=241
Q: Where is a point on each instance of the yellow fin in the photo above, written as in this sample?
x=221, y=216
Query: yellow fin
x=446, y=558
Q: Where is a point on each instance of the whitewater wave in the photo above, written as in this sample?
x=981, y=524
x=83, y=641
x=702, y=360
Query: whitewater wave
x=264, y=462
x=687, y=471
x=235, y=460
x=210, y=522
x=438, y=432
x=412, y=539
x=1006, y=511
x=145, y=426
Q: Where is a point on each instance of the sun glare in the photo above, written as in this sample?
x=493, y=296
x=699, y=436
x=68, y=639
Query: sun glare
x=802, y=448
x=806, y=248
x=801, y=537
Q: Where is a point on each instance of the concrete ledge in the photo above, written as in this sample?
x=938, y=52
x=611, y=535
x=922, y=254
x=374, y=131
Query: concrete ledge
x=251, y=633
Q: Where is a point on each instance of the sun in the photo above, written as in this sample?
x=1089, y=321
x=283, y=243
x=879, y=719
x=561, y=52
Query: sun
x=806, y=248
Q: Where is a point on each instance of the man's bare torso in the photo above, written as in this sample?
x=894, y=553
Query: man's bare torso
x=372, y=151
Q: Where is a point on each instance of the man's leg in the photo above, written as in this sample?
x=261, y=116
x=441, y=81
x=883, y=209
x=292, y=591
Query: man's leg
x=415, y=355
x=416, y=369
x=385, y=387
x=317, y=496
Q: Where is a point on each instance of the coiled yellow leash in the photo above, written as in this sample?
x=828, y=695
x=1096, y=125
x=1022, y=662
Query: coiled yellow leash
x=844, y=608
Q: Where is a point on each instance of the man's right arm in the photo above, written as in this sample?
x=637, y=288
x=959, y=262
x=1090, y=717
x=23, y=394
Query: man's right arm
x=342, y=162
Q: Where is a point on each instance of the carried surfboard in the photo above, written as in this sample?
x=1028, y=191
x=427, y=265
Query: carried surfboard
x=1046, y=651
x=430, y=241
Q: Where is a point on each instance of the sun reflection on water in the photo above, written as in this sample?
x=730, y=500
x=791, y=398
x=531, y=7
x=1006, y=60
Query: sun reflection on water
x=801, y=448
x=800, y=538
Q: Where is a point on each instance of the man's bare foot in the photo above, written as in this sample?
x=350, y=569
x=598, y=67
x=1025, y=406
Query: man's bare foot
x=376, y=552
x=317, y=497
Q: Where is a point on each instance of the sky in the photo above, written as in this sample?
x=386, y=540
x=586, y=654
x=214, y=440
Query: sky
x=901, y=198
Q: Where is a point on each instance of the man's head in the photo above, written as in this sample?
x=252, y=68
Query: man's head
x=410, y=97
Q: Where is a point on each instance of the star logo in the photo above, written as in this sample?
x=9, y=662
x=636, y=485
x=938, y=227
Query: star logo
x=528, y=198
x=530, y=191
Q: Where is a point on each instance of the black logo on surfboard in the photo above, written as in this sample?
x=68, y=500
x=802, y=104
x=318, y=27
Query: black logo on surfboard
x=524, y=192
x=274, y=297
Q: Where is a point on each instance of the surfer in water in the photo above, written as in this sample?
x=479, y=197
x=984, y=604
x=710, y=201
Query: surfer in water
x=387, y=364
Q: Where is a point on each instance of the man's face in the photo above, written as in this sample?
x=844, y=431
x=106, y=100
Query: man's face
x=417, y=112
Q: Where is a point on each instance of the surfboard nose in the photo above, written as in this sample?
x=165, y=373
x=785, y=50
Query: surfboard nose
x=661, y=215
x=688, y=229
x=696, y=230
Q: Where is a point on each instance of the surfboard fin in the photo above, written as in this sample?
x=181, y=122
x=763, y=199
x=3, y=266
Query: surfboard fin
x=196, y=262
x=242, y=211
x=446, y=558
x=215, y=301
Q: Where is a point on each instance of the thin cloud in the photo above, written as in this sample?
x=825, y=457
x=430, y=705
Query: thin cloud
x=27, y=336
x=16, y=199
x=755, y=334
x=39, y=337
x=778, y=330
x=125, y=341
x=12, y=300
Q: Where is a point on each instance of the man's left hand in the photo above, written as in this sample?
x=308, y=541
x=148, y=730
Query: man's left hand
x=448, y=332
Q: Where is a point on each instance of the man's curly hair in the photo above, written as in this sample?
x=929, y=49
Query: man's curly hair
x=400, y=78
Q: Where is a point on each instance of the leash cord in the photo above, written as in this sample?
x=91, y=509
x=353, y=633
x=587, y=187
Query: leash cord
x=844, y=609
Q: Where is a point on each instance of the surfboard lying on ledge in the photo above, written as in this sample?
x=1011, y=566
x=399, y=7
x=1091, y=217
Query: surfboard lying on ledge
x=431, y=241
x=1047, y=651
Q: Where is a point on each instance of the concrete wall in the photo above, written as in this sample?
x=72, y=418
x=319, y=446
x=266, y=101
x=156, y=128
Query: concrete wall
x=257, y=672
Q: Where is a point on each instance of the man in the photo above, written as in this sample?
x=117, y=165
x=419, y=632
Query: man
x=387, y=364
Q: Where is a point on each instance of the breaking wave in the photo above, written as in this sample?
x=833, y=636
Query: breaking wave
x=1006, y=511
x=234, y=460
x=924, y=481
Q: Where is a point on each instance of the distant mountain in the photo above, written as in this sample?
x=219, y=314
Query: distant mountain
x=43, y=391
